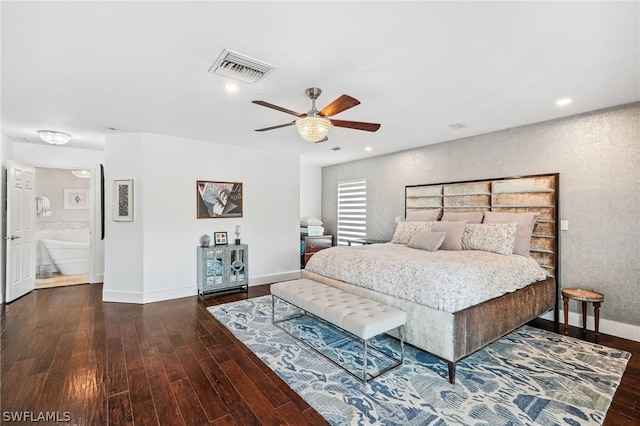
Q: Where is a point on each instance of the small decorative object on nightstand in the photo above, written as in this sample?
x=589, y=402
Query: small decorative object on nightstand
x=583, y=296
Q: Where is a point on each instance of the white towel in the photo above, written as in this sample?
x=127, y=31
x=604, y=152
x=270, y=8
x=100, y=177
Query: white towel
x=43, y=206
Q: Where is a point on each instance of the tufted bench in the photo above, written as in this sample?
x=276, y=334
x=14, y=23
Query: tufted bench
x=362, y=318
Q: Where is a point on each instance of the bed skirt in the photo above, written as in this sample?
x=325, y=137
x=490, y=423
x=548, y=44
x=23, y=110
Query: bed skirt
x=453, y=336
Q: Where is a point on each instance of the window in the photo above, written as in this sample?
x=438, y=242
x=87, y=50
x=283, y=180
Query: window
x=352, y=211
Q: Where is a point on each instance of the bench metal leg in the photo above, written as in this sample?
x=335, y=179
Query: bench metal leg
x=364, y=363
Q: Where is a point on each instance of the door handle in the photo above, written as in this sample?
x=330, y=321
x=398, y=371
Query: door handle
x=14, y=237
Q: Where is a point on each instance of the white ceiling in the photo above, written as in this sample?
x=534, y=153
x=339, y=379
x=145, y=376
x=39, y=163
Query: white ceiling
x=417, y=67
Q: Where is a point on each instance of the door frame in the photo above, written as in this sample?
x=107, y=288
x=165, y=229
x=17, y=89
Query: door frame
x=94, y=208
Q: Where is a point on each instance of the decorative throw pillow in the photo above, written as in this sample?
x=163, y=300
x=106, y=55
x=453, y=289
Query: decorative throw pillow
x=406, y=230
x=494, y=237
x=423, y=215
x=469, y=217
x=453, y=231
x=429, y=241
x=526, y=221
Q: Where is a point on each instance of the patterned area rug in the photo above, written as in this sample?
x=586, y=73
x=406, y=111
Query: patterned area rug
x=529, y=377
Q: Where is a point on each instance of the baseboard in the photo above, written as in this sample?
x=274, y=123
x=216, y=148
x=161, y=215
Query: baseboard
x=122, y=296
x=613, y=328
x=96, y=278
x=268, y=279
x=148, y=297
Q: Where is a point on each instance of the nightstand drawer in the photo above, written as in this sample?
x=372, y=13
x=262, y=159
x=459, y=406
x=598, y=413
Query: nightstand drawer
x=314, y=244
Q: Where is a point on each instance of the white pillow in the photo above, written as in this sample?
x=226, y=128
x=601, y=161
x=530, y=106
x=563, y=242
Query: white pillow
x=494, y=237
x=429, y=241
x=406, y=230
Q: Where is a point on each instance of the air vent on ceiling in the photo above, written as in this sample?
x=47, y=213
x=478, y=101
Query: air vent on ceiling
x=457, y=126
x=241, y=67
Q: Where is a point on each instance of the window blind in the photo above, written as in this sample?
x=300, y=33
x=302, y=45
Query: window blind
x=352, y=211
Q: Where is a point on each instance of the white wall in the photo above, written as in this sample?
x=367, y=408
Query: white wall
x=310, y=190
x=154, y=257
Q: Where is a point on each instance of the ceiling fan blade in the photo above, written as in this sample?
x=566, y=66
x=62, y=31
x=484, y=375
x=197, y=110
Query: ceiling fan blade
x=268, y=105
x=358, y=125
x=343, y=103
x=276, y=127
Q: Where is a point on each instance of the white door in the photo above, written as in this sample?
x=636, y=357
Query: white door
x=20, y=270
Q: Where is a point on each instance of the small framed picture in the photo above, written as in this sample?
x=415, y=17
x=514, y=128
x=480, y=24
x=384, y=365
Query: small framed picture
x=123, y=200
x=76, y=199
x=220, y=238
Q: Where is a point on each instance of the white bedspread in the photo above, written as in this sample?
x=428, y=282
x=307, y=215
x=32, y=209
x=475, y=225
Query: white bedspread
x=445, y=280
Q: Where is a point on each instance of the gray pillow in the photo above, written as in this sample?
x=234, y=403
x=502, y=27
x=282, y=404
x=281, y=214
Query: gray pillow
x=429, y=241
x=453, y=231
x=469, y=217
x=526, y=221
x=423, y=215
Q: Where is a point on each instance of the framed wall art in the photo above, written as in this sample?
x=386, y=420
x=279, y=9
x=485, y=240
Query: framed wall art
x=123, y=200
x=218, y=199
x=220, y=238
x=76, y=199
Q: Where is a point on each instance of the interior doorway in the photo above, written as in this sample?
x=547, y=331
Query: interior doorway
x=64, y=226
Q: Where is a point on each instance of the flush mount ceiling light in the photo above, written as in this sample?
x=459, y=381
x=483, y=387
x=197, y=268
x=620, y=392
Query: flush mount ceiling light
x=53, y=137
x=564, y=101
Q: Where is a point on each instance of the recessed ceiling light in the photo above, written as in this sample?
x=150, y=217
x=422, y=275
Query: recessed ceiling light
x=564, y=101
x=368, y=148
x=231, y=87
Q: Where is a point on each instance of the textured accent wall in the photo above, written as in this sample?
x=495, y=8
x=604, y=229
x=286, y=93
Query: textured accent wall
x=598, y=157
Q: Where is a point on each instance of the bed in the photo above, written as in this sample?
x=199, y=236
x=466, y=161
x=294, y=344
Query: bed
x=458, y=301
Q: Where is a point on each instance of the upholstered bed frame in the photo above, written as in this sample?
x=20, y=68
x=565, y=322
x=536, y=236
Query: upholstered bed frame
x=453, y=336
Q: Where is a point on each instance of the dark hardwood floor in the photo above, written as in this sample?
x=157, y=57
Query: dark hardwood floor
x=65, y=353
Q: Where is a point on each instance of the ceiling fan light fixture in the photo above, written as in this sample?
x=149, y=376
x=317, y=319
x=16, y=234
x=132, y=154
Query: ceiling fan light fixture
x=313, y=128
x=53, y=137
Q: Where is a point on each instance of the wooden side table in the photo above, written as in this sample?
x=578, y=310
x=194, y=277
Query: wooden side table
x=583, y=296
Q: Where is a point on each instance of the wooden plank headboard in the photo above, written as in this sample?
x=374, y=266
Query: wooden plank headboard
x=538, y=193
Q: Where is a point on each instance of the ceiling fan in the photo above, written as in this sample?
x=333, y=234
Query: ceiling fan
x=314, y=125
